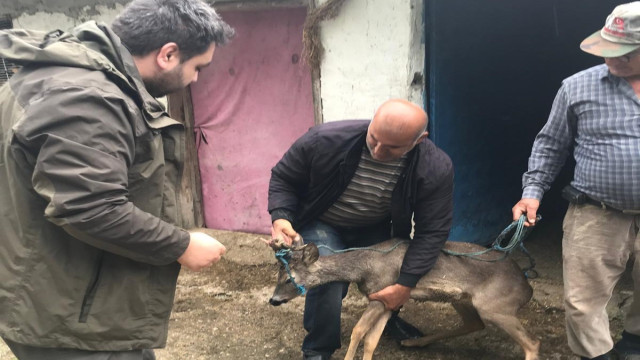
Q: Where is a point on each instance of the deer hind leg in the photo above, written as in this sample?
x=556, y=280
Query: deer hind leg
x=512, y=326
x=369, y=318
x=471, y=322
x=373, y=336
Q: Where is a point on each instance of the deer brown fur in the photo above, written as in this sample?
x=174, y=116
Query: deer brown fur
x=480, y=291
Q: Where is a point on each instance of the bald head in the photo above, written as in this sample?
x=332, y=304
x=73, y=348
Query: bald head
x=401, y=117
x=397, y=126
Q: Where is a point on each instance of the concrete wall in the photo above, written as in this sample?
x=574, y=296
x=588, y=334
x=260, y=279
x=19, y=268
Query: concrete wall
x=373, y=48
x=60, y=14
x=65, y=14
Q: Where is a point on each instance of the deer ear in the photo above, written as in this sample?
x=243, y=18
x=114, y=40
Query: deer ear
x=310, y=254
x=297, y=241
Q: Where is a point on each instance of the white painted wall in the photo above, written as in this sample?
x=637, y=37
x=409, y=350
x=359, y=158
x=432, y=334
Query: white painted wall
x=372, y=50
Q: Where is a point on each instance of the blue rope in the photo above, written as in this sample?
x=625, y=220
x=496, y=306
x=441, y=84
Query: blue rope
x=282, y=256
x=520, y=233
x=369, y=248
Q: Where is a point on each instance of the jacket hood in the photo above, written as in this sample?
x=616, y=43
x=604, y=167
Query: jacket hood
x=87, y=46
x=91, y=46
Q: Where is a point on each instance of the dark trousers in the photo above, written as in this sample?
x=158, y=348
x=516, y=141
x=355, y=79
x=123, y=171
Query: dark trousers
x=26, y=352
x=323, y=304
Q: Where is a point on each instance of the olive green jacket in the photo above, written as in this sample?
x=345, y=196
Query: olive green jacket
x=89, y=175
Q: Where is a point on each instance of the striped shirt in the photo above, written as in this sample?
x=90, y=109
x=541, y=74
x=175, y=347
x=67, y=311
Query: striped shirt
x=367, y=198
x=599, y=115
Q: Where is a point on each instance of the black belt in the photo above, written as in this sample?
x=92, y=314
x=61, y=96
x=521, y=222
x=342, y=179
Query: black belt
x=604, y=206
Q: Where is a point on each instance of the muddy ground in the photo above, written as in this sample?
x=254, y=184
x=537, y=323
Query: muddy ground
x=223, y=313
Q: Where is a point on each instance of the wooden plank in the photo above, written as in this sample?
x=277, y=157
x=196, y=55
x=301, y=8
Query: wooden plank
x=316, y=81
x=190, y=197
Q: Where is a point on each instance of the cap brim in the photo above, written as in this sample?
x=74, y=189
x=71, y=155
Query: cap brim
x=597, y=45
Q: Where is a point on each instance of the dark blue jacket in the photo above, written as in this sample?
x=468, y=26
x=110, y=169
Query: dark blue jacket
x=318, y=167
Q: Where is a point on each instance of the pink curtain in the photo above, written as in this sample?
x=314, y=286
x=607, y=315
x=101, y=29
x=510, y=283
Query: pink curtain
x=250, y=105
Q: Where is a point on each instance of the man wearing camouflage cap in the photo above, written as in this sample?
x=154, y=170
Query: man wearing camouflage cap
x=597, y=114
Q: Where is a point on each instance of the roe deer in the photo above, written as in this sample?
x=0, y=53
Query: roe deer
x=480, y=291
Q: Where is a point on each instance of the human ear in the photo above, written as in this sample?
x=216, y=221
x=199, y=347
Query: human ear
x=424, y=135
x=168, y=56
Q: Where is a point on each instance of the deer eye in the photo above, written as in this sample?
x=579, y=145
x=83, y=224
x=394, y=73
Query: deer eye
x=288, y=281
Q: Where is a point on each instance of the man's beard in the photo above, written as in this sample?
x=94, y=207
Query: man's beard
x=165, y=83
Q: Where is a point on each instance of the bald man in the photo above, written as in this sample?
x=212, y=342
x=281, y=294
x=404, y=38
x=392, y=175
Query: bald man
x=356, y=183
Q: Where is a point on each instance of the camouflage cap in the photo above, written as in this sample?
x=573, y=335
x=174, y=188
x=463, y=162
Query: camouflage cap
x=620, y=34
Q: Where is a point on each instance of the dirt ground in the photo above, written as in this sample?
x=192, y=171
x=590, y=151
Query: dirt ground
x=223, y=313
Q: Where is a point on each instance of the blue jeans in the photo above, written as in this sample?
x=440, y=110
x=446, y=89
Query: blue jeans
x=323, y=304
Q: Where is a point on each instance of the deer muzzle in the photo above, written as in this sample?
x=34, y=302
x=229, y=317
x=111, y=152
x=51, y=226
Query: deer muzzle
x=276, y=302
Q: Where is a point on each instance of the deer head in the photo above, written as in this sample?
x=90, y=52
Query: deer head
x=279, y=244
x=294, y=262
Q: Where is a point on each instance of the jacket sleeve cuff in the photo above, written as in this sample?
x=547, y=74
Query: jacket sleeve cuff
x=282, y=214
x=409, y=280
x=182, y=244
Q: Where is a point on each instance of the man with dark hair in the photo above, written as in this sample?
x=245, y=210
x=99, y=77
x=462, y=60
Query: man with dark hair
x=597, y=114
x=91, y=243
x=356, y=183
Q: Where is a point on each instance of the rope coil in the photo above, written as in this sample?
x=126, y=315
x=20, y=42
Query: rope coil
x=520, y=233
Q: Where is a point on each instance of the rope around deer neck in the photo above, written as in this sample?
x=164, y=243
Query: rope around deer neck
x=520, y=233
x=281, y=255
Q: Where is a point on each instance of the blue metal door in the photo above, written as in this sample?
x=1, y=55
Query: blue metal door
x=494, y=67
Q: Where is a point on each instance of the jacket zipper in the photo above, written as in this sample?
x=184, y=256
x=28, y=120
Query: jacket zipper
x=89, y=295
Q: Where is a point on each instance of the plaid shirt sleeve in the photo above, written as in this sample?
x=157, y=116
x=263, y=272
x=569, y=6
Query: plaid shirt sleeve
x=550, y=148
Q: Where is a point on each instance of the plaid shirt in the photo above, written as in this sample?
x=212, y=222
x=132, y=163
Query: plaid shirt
x=597, y=114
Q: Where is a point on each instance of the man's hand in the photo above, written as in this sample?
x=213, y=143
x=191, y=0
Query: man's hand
x=393, y=297
x=528, y=207
x=283, y=230
x=202, y=252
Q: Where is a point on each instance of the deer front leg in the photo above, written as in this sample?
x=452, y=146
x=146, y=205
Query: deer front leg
x=368, y=319
x=373, y=336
